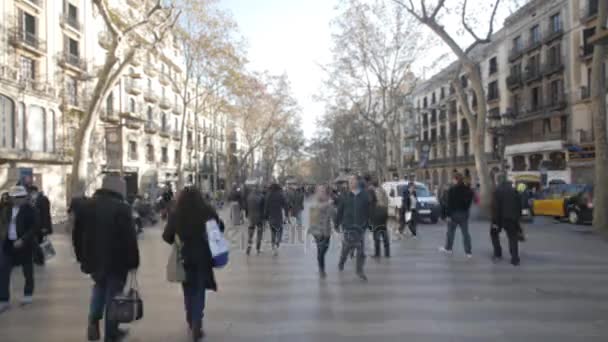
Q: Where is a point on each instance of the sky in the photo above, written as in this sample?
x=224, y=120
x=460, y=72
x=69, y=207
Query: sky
x=291, y=37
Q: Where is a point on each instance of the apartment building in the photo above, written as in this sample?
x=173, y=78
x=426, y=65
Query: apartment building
x=48, y=55
x=536, y=75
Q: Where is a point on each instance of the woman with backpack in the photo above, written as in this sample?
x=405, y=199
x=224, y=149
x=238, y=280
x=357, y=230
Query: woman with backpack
x=186, y=226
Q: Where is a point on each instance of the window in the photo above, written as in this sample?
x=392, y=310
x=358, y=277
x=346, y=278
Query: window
x=176, y=122
x=72, y=85
x=433, y=99
x=535, y=99
x=425, y=104
x=556, y=23
x=149, y=84
x=516, y=69
x=535, y=160
x=177, y=157
x=442, y=96
x=150, y=153
x=28, y=69
x=163, y=122
x=7, y=122
x=164, y=154
x=72, y=16
x=493, y=66
x=535, y=35
x=517, y=44
x=49, y=142
x=20, y=129
x=189, y=139
x=465, y=148
x=593, y=7
x=72, y=49
x=29, y=29
x=132, y=150
x=515, y=103
x=554, y=55
x=588, y=47
x=36, y=121
x=493, y=90
x=555, y=92
x=150, y=114
x=110, y=104
x=519, y=163
x=132, y=106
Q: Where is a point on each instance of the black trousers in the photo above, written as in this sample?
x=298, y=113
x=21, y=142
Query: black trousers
x=322, y=248
x=10, y=259
x=513, y=231
x=260, y=229
x=412, y=224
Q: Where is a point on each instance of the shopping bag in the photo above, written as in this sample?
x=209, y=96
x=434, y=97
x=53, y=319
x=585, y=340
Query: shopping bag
x=127, y=307
x=217, y=244
x=47, y=250
x=408, y=216
x=175, y=266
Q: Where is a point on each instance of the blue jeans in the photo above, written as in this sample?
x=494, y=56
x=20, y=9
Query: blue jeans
x=194, y=299
x=8, y=261
x=105, y=288
x=459, y=219
x=276, y=232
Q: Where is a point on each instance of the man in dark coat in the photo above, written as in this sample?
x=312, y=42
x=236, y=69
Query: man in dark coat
x=460, y=198
x=506, y=212
x=108, y=250
x=275, y=206
x=354, y=218
x=255, y=214
x=43, y=207
x=409, y=203
x=19, y=226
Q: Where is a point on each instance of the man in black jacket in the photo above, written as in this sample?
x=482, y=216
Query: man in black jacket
x=506, y=212
x=354, y=217
x=43, y=207
x=108, y=250
x=460, y=198
x=275, y=210
x=255, y=214
x=19, y=226
x=409, y=203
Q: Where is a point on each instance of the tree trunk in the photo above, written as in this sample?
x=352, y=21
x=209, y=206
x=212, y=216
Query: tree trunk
x=180, y=161
x=598, y=108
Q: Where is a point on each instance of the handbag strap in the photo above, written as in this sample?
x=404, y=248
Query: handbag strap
x=133, y=280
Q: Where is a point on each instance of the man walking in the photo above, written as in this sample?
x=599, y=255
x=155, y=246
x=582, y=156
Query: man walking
x=109, y=250
x=275, y=206
x=19, y=227
x=460, y=198
x=43, y=208
x=506, y=212
x=379, y=219
x=255, y=214
x=409, y=205
x=353, y=217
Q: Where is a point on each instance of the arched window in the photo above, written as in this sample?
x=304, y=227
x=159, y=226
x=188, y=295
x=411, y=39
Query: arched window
x=50, y=132
x=36, y=121
x=163, y=122
x=110, y=104
x=176, y=127
x=132, y=108
x=150, y=114
x=7, y=122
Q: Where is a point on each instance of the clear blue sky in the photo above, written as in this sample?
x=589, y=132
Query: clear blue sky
x=287, y=36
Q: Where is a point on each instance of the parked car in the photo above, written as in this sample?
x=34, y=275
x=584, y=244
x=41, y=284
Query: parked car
x=571, y=201
x=428, y=205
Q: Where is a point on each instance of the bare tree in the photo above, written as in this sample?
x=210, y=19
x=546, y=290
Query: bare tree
x=429, y=16
x=598, y=108
x=370, y=76
x=127, y=36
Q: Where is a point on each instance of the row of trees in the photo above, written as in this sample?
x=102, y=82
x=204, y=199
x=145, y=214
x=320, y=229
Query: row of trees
x=216, y=82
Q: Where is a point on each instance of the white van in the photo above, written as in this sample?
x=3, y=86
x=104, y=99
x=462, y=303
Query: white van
x=428, y=205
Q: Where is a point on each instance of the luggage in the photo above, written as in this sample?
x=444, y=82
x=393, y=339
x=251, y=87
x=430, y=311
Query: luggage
x=127, y=307
x=217, y=244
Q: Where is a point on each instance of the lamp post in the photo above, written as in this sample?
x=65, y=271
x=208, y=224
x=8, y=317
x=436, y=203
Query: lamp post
x=501, y=126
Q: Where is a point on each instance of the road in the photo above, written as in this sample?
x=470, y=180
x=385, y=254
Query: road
x=558, y=294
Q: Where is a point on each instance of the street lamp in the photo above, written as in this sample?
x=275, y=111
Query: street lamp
x=501, y=126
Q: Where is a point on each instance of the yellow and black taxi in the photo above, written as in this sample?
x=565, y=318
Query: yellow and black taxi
x=571, y=201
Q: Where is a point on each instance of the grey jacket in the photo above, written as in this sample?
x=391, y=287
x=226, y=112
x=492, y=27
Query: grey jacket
x=321, y=216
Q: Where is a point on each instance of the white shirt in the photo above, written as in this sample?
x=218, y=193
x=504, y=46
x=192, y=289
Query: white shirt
x=12, y=227
x=412, y=202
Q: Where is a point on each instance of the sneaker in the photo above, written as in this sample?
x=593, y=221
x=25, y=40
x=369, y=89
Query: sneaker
x=4, y=306
x=26, y=300
x=496, y=258
x=445, y=251
x=469, y=256
x=515, y=262
x=362, y=276
x=93, y=332
x=322, y=274
x=120, y=335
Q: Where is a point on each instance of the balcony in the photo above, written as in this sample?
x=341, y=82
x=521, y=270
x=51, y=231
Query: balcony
x=132, y=114
x=553, y=34
x=585, y=94
x=30, y=41
x=590, y=12
x=134, y=87
x=133, y=123
x=533, y=45
x=515, y=53
x=150, y=96
x=69, y=22
x=514, y=81
x=559, y=102
x=533, y=74
x=151, y=127
x=586, y=52
x=176, y=134
x=150, y=70
x=109, y=116
x=553, y=68
x=165, y=132
x=464, y=132
x=178, y=109
x=72, y=61
x=164, y=79
x=165, y=103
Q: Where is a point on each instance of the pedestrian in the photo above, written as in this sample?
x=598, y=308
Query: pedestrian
x=460, y=198
x=106, y=249
x=255, y=214
x=379, y=220
x=188, y=222
x=43, y=207
x=409, y=208
x=322, y=213
x=506, y=212
x=298, y=205
x=353, y=218
x=19, y=226
x=275, y=211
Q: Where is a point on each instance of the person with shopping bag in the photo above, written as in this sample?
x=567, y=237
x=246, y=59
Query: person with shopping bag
x=105, y=244
x=190, y=228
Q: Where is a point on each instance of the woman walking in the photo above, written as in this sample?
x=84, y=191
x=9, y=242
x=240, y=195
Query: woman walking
x=188, y=222
x=322, y=212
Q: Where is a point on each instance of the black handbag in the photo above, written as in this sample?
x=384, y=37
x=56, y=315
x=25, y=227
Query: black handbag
x=127, y=307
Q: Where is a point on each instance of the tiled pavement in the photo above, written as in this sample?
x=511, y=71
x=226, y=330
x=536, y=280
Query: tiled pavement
x=560, y=293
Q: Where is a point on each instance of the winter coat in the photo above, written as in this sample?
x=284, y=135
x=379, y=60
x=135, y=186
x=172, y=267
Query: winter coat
x=321, y=216
x=275, y=206
x=28, y=227
x=255, y=208
x=82, y=215
x=296, y=201
x=460, y=198
x=109, y=241
x=43, y=205
x=196, y=254
x=506, y=205
x=354, y=211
